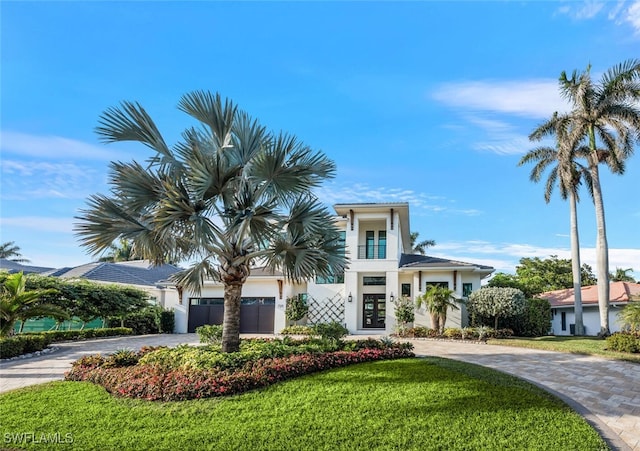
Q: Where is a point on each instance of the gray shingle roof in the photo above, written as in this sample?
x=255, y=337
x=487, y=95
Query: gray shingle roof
x=13, y=267
x=416, y=261
x=131, y=273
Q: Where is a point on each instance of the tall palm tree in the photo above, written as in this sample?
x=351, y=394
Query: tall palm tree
x=11, y=251
x=621, y=275
x=16, y=303
x=567, y=173
x=228, y=195
x=437, y=300
x=605, y=116
x=419, y=247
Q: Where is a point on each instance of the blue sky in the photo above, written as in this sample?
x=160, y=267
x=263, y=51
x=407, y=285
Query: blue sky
x=425, y=102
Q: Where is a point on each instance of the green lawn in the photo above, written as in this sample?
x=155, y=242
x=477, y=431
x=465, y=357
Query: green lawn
x=576, y=345
x=408, y=404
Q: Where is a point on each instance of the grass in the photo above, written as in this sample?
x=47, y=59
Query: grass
x=408, y=404
x=575, y=345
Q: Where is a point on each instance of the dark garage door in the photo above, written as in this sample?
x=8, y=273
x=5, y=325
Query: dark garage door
x=256, y=314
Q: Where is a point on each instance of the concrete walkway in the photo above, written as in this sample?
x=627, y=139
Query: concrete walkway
x=605, y=392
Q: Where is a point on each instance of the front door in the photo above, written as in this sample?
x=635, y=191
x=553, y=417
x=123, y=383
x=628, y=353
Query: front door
x=374, y=310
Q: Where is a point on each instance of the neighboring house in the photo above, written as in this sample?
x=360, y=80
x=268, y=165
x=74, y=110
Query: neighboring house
x=377, y=242
x=562, y=307
x=141, y=274
x=13, y=267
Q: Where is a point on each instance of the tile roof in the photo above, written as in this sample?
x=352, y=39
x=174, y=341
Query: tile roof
x=619, y=292
x=13, y=267
x=140, y=272
x=417, y=261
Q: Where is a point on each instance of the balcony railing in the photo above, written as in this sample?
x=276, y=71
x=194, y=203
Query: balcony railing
x=372, y=252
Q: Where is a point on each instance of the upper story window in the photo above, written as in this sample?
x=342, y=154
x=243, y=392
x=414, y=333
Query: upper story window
x=467, y=288
x=371, y=250
x=437, y=284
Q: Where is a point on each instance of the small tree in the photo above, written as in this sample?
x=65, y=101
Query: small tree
x=629, y=317
x=405, y=312
x=437, y=300
x=18, y=304
x=296, y=308
x=497, y=302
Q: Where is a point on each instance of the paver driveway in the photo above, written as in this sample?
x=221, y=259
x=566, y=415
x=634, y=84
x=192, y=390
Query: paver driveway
x=605, y=392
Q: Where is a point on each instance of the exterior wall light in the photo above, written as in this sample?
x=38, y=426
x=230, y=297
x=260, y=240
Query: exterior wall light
x=391, y=298
x=350, y=298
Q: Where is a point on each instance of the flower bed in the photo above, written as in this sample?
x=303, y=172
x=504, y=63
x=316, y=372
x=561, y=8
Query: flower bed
x=166, y=383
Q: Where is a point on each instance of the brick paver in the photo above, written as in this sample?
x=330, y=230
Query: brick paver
x=605, y=392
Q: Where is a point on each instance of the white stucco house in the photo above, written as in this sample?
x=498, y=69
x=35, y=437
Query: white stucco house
x=377, y=242
x=563, y=316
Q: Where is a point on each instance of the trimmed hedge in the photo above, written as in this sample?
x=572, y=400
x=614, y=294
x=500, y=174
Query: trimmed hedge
x=37, y=341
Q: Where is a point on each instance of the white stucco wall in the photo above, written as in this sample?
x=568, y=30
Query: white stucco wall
x=590, y=319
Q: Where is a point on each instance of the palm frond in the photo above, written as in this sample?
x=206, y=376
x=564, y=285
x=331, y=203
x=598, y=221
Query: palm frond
x=209, y=109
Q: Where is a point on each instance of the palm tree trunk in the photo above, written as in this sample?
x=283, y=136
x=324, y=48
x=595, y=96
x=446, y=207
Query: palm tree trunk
x=443, y=320
x=602, y=248
x=575, y=264
x=231, y=321
x=435, y=321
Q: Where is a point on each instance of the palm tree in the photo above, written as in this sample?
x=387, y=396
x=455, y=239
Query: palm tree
x=420, y=247
x=621, y=275
x=229, y=195
x=18, y=304
x=121, y=252
x=437, y=300
x=567, y=174
x=605, y=116
x=629, y=317
x=10, y=251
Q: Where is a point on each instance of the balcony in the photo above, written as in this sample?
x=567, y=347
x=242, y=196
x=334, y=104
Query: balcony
x=372, y=252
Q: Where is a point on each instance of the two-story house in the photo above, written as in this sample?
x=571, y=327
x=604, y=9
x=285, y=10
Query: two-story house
x=377, y=242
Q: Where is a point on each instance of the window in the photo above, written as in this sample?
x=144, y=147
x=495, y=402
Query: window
x=382, y=244
x=467, y=288
x=437, y=284
x=374, y=280
x=220, y=301
x=370, y=244
x=563, y=320
x=406, y=289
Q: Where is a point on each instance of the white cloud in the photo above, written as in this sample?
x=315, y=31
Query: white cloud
x=633, y=16
x=527, y=98
x=502, y=138
x=41, y=179
x=582, y=10
x=39, y=223
x=507, y=255
x=54, y=147
x=420, y=202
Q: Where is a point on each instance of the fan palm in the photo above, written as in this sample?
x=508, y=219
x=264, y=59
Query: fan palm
x=567, y=173
x=229, y=195
x=605, y=115
x=437, y=300
x=121, y=252
x=18, y=304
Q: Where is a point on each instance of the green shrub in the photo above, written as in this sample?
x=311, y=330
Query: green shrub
x=21, y=344
x=296, y=308
x=468, y=333
x=53, y=336
x=120, y=358
x=297, y=330
x=624, y=342
x=210, y=333
x=422, y=332
x=333, y=330
x=452, y=332
x=142, y=322
x=167, y=321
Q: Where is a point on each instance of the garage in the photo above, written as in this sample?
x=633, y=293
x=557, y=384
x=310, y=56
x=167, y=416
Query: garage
x=256, y=314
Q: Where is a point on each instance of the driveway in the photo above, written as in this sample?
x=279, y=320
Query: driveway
x=605, y=392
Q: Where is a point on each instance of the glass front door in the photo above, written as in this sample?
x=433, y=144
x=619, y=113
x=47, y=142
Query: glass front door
x=374, y=310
